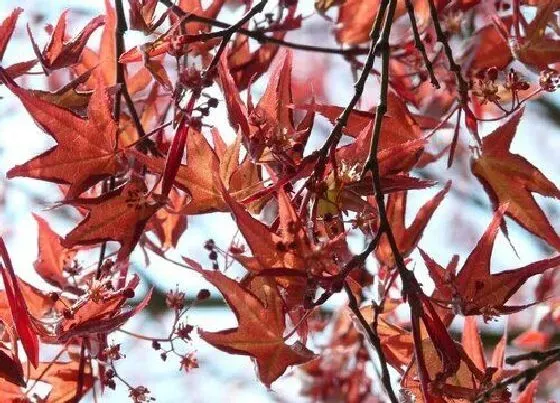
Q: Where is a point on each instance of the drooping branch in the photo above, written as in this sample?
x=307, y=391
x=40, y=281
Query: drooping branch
x=373, y=338
x=411, y=288
x=462, y=85
x=419, y=44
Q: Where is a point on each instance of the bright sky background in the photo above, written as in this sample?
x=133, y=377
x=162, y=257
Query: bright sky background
x=226, y=377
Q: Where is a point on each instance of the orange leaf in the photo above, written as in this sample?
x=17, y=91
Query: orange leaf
x=200, y=184
x=407, y=238
x=85, y=152
x=52, y=257
x=261, y=326
x=477, y=292
x=170, y=225
x=119, y=215
x=62, y=376
x=472, y=343
x=104, y=61
x=529, y=394
x=533, y=340
x=510, y=178
x=60, y=53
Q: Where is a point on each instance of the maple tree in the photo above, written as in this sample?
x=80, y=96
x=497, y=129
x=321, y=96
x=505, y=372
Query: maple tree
x=200, y=117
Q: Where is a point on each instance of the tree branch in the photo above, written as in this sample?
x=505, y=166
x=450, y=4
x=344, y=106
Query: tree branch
x=526, y=376
x=419, y=44
x=374, y=340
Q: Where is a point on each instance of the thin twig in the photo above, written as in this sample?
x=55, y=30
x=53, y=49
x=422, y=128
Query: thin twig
x=419, y=44
x=462, y=85
x=341, y=122
x=81, y=369
x=533, y=355
x=229, y=32
x=122, y=88
x=261, y=37
x=374, y=340
x=121, y=91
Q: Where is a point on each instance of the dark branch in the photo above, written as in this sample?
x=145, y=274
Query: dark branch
x=374, y=340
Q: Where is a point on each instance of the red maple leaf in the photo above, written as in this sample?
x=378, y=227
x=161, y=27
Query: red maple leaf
x=60, y=52
x=119, y=215
x=474, y=290
x=510, y=178
x=260, y=313
x=52, y=256
x=85, y=152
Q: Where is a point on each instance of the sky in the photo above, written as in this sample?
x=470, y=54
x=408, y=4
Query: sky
x=222, y=376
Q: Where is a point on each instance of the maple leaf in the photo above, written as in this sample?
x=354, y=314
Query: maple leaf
x=68, y=96
x=474, y=290
x=142, y=16
x=529, y=394
x=533, y=340
x=472, y=343
x=11, y=392
x=270, y=247
x=268, y=129
x=360, y=119
x=178, y=40
x=38, y=304
x=396, y=342
x=246, y=66
x=20, y=314
x=203, y=185
x=105, y=317
x=491, y=48
x=119, y=215
x=510, y=178
x=195, y=7
x=355, y=19
x=85, y=152
x=237, y=111
x=204, y=193
x=52, y=257
x=400, y=144
x=261, y=325
x=242, y=179
x=59, y=53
